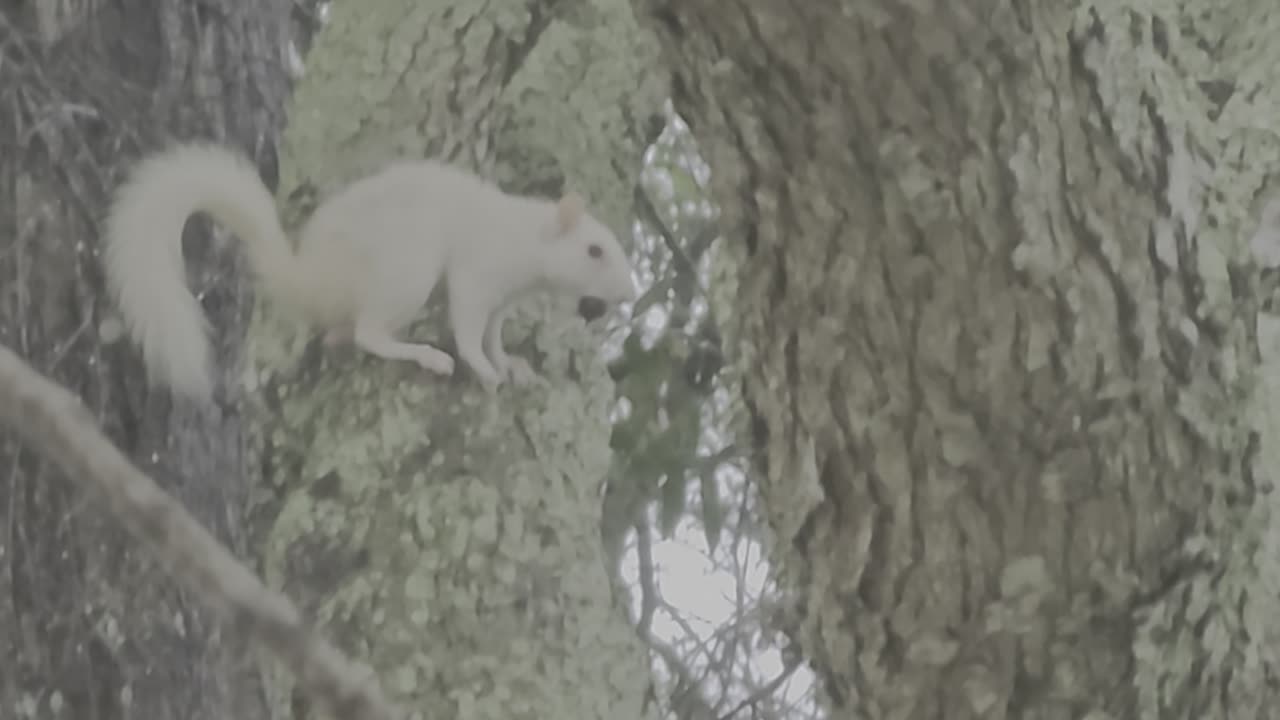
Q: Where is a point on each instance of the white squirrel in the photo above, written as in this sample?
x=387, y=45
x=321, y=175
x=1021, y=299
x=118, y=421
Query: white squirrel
x=365, y=264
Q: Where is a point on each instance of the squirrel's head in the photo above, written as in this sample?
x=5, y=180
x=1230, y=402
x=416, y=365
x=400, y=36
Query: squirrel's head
x=585, y=259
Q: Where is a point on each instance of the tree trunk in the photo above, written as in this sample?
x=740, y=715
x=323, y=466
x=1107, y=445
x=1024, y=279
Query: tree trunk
x=89, y=628
x=449, y=537
x=997, y=343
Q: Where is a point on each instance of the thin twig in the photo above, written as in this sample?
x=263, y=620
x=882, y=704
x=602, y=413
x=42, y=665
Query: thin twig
x=768, y=689
x=56, y=424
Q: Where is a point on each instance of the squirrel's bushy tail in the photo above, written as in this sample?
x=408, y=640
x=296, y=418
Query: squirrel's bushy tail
x=143, y=252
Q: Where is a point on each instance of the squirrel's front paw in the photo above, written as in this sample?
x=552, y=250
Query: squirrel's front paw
x=436, y=361
x=521, y=373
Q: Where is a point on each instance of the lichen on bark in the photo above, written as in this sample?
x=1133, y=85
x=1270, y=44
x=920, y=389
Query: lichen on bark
x=992, y=305
x=448, y=536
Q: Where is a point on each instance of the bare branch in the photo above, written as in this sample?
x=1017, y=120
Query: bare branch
x=769, y=688
x=54, y=422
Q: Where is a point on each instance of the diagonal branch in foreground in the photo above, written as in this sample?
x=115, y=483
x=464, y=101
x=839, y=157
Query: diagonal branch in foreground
x=54, y=422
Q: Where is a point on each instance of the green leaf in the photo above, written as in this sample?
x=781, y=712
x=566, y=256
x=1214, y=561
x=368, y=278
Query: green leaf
x=683, y=185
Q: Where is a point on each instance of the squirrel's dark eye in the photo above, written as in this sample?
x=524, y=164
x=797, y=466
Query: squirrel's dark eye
x=595, y=251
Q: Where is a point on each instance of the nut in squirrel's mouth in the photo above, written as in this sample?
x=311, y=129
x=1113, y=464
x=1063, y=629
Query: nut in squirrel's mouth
x=591, y=308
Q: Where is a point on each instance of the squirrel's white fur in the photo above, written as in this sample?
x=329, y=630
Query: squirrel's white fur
x=366, y=261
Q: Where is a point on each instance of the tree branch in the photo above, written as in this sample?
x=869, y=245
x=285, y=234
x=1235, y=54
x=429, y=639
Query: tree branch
x=53, y=421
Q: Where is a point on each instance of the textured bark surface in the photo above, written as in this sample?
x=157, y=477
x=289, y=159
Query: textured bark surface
x=89, y=628
x=449, y=537
x=996, y=336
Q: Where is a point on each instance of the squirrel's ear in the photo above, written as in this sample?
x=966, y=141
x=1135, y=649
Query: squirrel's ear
x=569, y=212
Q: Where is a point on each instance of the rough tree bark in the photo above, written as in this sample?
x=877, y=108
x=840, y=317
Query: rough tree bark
x=997, y=340
x=89, y=628
x=448, y=537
